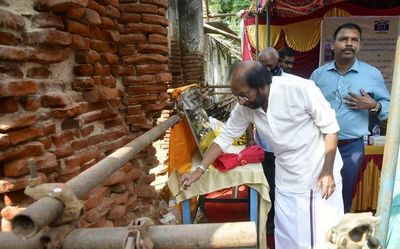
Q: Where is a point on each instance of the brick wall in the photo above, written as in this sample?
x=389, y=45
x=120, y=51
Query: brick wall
x=78, y=79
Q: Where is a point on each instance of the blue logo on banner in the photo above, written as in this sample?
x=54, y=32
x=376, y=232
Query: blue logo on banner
x=381, y=25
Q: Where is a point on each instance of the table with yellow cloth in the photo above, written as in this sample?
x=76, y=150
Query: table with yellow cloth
x=251, y=175
x=367, y=189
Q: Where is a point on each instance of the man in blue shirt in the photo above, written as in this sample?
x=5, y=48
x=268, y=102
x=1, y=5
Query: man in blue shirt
x=348, y=85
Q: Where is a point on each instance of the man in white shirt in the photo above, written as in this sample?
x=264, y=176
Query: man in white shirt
x=297, y=121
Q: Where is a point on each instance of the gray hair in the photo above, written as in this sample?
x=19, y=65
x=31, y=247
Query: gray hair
x=268, y=51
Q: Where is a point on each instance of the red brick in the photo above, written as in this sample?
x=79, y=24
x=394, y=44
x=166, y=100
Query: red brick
x=97, y=7
x=68, y=112
x=91, y=17
x=80, y=43
x=46, y=141
x=134, y=119
x=83, y=70
x=12, y=184
x=130, y=18
x=78, y=159
x=112, y=12
x=127, y=50
x=68, y=174
x=11, y=70
x=59, y=5
x=63, y=152
x=132, y=39
x=116, y=134
x=16, y=198
x=104, y=2
x=4, y=141
x=133, y=100
x=15, y=54
x=95, y=139
x=110, y=35
x=30, y=103
x=47, y=20
x=144, y=59
x=85, y=131
x=72, y=123
x=153, y=48
x=63, y=138
x=48, y=127
x=16, y=121
x=160, y=3
x=149, y=108
x=101, y=47
x=117, y=212
x=112, y=123
x=107, y=23
x=75, y=14
x=98, y=213
x=10, y=212
x=161, y=12
x=77, y=28
x=109, y=81
x=49, y=55
x=38, y=73
x=138, y=8
x=48, y=37
x=95, y=197
x=79, y=144
x=25, y=134
x=134, y=110
x=114, y=3
x=108, y=58
x=54, y=99
x=10, y=20
x=96, y=33
x=87, y=57
x=145, y=28
x=155, y=19
x=118, y=188
x=108, y=94
x=117, y=177
x=137, y=90
x=47, y=161
x=146, y=191
x=18, y=88
x=23, y=150
x=101, y=70
x=8, y=104
x=83, y=84
x=97, y=115
x=146, y=179
x=122, y=70
x=7, y=38
x=151, y=68
x=158, y=39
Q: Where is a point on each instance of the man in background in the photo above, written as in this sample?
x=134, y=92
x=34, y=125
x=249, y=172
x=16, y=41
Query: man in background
x=348, y=85
x=286, y=59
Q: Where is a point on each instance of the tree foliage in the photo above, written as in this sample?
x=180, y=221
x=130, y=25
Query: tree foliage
x=226, y=7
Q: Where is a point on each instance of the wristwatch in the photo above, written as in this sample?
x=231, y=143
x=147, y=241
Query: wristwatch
x=377, y=108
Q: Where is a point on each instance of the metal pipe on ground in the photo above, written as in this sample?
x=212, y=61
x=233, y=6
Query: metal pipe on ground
x=192, y=236
x=44, y=211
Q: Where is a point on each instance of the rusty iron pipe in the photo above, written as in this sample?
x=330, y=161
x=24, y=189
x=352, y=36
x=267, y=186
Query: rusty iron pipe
x=44, y=211
x=192, y=236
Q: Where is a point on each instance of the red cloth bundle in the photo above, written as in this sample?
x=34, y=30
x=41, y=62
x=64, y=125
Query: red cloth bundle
x=228, y=161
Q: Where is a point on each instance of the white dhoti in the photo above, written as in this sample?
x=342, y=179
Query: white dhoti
x=303, y=219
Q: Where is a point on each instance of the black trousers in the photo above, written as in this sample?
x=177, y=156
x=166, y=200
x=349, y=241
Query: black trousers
x=269, y=172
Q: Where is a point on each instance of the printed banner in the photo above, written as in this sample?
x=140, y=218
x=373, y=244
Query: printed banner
x=378, y=43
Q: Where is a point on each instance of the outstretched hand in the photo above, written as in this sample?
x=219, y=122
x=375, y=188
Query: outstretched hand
x=326, y=185
x=362, y=102
x=188, y=179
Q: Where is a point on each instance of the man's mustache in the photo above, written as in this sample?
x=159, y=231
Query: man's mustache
x=348, y=49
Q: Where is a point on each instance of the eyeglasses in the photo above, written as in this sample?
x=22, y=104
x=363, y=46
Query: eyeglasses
x=242, y=99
